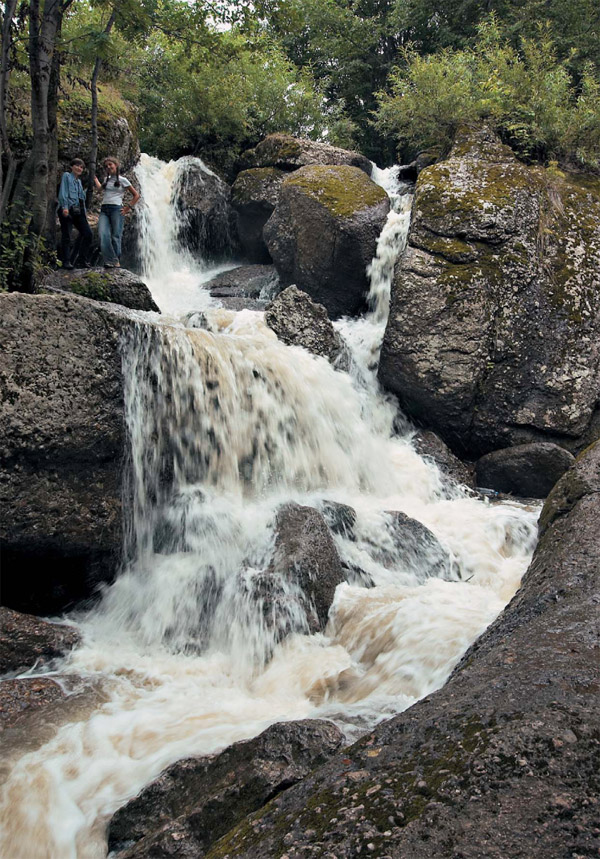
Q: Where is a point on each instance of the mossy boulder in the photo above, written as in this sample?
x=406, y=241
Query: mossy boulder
x=254, y=195
x=493, y=337
x=289, y=153
x=323, y=234
x=115, y=286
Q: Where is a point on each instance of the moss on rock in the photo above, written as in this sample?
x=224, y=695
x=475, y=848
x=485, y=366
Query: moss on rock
x=342, y=190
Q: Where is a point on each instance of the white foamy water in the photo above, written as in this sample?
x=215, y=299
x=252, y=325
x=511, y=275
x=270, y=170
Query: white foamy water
x=225, y=426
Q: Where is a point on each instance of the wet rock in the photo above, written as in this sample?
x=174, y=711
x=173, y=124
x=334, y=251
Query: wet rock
x=195, y=801
x=116, y=286
x=299, y=321
x=413, y=547
x=504, y=759
x=526, y=470
x=20, y=699
x=27, y=641
x=428, y=444
x=305, y=557
x=254, y=195
x=410, y=172
x=62, y=446
x=290, y=153
x=207, y=220
x=493, y=338
x=246, y=281
x=340, y=518
x=323, y=234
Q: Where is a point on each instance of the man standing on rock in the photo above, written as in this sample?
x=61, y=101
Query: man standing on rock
x=71, y=213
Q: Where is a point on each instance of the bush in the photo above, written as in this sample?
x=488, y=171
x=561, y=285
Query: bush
x=528, y=95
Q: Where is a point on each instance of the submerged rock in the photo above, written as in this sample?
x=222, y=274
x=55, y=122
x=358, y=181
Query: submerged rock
x=430, y=445
x=197, y=800
x=503, y=760
x=245, y=281
x=305, y=557
x=62, y=445
x=116, y=286
x=27, y=641
x=493, y=337
x=526, y=470
x=286, y=153
x=299, y=321
x=323, y=234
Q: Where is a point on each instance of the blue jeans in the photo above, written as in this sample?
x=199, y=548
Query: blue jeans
x=110, y=230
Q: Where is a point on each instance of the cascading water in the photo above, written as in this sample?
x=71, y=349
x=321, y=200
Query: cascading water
x=226, y=425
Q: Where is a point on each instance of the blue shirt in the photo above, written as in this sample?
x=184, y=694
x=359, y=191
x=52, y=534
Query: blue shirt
x=71, y=192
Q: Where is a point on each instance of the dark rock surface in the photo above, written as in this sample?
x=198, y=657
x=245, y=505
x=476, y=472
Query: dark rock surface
x=208, y=222
x=19, y=699
x=254, y=195
x=504, y=760
x=246, y=281
x=27, y=641
x=527, y=470
x=62, y=442
x=493, y=337
x=195, y=801
x=323, y=234
x=415, y=548
x=299, y=321
x=290, y=153
x=117, y=286
x=428, y=444
x=305, y=556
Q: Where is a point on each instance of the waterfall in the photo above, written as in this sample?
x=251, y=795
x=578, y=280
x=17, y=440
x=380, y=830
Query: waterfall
x=225, y=426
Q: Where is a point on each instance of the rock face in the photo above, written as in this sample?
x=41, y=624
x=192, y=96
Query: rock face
x=305, y=557
x=285, y=152
x=324, y=232
x=493, y=337
x=117, y=286
x=299, y=321
x=503, y=761
x=254, y=195
x=26, y=641
x=197, y=800
x=528, y=470
x=62, y=449
x=207, y=221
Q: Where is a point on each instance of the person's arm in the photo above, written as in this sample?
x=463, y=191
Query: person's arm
x=135, y=196
x=63, y=194
x=97, y=184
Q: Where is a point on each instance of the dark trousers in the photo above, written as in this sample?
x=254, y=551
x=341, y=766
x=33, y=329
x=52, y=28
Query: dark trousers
x=84, y=240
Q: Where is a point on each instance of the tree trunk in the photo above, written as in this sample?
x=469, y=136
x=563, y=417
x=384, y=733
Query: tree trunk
x=7, y=179
x=94, y=86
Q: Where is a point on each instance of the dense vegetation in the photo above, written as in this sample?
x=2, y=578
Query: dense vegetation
x=388, y=77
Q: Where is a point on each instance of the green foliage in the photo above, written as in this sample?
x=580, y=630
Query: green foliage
x=529, y=95
x=93, y=285
x=17, y=246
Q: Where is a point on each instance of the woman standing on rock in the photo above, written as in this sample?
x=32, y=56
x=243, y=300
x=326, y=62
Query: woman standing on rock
x=71, y=213
x=110, y=225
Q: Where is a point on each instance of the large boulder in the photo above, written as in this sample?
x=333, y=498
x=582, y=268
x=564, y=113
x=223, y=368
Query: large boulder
x=197, y=800
x=527, y=470
x=431, y=446
x=254, y=195
x=504, y=759
x=116, y=286
x=493, y=337
x=27, y=641
x=206, y=220
x=299, y=321
x=62, y=447
x=305, y=569
x=285, y=152
x=323, y=234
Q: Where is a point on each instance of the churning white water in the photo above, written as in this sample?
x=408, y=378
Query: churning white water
x=226, y=425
